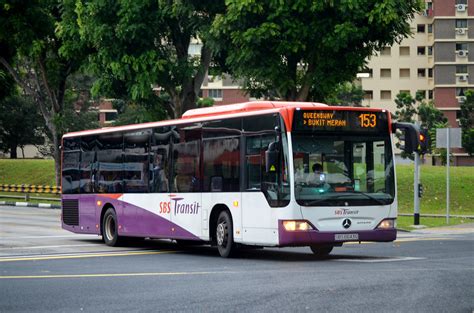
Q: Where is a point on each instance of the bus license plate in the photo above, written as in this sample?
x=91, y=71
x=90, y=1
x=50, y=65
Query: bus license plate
x=346, y=237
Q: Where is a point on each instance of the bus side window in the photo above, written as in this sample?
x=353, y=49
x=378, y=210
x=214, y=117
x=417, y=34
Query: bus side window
x=136, y=146
x=160, y=177
x=110, y=164
x=255, y=159
x=186, y=169
x=221, y=159
x=88, y=164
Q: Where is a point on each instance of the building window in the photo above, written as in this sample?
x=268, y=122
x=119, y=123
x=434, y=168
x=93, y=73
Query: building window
x=421, y=50
x=430, y=94
x=461, y=46
x=421, y=73
x=461, y=2
x=404, y=73
x=404, y=51
x=386, y=94
x=420, y=28
x=430, y=28
x=460, y=91
x=421, y=93
x=368, y=94
x=461, y=23
x=461, y=69
x=430, y=50
x=215, y=93
x=430, y=72
x=110, y=116
x=385, y=73
x=386, y=51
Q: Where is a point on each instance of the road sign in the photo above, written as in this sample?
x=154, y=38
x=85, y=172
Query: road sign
x=454, y=137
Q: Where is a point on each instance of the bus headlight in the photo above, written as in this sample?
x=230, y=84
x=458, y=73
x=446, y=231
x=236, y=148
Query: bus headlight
x=297, y=226
x=387, y=224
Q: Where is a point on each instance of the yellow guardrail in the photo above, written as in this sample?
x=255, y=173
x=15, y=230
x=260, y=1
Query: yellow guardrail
x=30, y=188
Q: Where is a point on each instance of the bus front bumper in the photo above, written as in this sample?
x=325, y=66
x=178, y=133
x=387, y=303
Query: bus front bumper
x=315, y=237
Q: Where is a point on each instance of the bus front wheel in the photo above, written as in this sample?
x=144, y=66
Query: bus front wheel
x=321, y=251
x=225, y=235
x=110, y=228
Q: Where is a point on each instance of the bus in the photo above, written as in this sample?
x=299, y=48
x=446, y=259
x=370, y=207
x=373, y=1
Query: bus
x=265, y=174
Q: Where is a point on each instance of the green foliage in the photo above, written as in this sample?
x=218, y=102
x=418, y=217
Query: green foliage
x=137, y=44
x=131, y=112
x=431, y=118
x=20, y=124
x=301, y=50
x=405, y=108
x=346, y=94
x=467, y=122
x=205, y=102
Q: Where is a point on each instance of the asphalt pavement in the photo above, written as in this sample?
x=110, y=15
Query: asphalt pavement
x=44, y=268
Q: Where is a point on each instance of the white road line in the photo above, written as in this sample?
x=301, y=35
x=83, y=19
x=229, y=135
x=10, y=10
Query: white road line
x=379, y=260
x=53, y=236
x=47, y=247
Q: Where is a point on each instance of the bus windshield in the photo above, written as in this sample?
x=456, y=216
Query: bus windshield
x=335, y=170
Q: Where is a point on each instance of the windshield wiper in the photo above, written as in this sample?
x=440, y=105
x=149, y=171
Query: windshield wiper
x=330, y=197
x=381, y=202
x=345, y=195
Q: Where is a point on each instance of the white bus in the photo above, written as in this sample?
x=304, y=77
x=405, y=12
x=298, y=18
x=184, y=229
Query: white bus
x=271, y=174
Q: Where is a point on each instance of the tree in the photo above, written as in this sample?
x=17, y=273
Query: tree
x=467, y=122
x=346, y=94
x=20, y=124
x=410, y=109
x=137, y=44
x=300, y=50
x=405, y=107
x=31, y=51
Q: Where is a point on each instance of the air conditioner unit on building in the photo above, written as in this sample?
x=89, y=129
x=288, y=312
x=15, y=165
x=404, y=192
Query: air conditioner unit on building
x=463, y=78
x=460, y=31
x=460, y=7
x=461, y=99
x=462, y=53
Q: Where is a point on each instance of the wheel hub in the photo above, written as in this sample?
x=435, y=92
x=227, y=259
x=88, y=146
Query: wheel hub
x=220, y=234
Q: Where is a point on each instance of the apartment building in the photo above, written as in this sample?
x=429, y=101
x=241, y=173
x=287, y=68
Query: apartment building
x=438, y=60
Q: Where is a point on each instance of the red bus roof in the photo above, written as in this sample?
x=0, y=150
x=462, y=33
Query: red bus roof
x=217, y=112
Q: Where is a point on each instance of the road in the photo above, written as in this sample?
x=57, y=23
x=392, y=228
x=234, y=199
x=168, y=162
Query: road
x=45, y=269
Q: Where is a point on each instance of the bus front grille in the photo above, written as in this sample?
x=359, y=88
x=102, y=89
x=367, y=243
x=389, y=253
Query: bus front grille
x=70, y=212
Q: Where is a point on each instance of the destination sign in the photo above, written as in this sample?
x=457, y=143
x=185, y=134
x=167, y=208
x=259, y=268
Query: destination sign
x=341, y=120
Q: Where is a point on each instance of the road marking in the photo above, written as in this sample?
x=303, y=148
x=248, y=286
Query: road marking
x=82, y=256
x=48, y=247
x=378, y=259
x=422, y=239
x=54, y=236
x=112, y=275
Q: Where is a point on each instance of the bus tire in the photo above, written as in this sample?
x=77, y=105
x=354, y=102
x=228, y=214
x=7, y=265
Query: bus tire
x=225, y=235
x=321, y=250
x=110, y=228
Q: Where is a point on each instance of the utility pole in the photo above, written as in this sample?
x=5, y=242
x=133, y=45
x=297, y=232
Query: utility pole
x=416, y=183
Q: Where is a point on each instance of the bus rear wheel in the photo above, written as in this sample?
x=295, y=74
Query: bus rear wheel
x=321, y=250
x=110, y=228
x=225, y=235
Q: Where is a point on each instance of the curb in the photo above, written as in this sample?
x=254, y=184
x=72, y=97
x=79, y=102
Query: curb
x=31, y=205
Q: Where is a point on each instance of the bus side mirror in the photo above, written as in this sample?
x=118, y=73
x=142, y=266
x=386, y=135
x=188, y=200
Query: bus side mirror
x=410, y=136
x=271, y=158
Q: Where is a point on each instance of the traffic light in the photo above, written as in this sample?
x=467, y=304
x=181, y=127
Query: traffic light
x=424, y=141
x=420, y=191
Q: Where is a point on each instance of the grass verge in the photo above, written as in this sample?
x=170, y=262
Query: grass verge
x=406, y=222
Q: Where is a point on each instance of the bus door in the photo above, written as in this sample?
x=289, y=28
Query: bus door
x=185, y=198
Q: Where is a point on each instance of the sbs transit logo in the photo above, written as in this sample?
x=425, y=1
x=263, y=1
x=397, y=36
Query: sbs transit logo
x=180, y=206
